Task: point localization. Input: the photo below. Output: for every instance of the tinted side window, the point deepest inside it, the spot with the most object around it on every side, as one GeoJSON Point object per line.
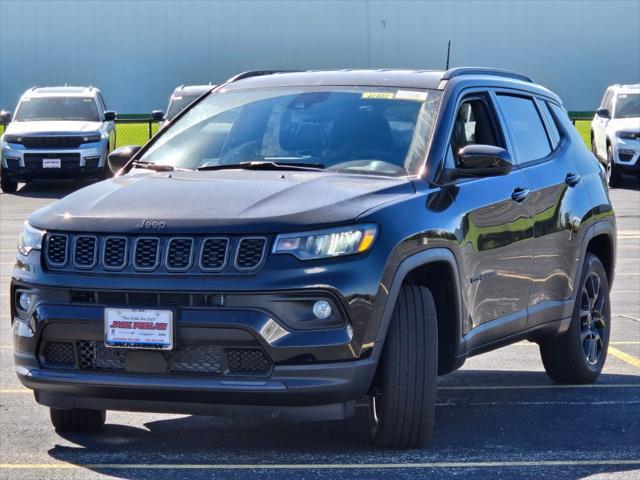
{"type": "Point", "coordinates": [551, 124]}
{"type": "Point", "coordinates": [525, 126]}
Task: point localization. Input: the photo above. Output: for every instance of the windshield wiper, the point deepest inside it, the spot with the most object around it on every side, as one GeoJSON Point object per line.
{"type": "Point", "coordinates": [263, 165]}
{"type": "Point", "coordinates": [159, 167]}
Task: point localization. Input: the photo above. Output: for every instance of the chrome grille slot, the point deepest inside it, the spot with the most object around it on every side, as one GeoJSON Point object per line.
{"type": "Point", "coordinates": [57, 249]}
{"type": "Point", "coordinates": [146, 253]}
{"type": "Point", "coordinates": [85, 251]}
{"type": "Point", "coordinates": [250, 253]}
{"type": "Point", "coordinates": [179, 254]}
{"type": "Point", "coordinates": [114, 254]}
{"type": "Point", "coordinates": [214, 254]}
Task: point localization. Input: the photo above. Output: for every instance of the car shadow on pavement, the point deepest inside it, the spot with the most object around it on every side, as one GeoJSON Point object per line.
{"type": "Point", "coordinates": [482, 416]}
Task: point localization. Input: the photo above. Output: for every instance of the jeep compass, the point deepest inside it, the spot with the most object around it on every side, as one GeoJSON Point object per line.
{"type": "Point", "coordinates": [293, 243]}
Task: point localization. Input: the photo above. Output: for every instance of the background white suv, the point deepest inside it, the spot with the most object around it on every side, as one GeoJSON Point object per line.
{"type": "Point", "coordinates": [615, 131]}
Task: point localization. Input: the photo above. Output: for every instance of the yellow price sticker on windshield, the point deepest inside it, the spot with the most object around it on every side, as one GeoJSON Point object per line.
{"type": "Point", "coordinates": [384, 95]}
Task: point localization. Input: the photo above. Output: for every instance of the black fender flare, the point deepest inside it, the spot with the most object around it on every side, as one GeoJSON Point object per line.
{"type": "Point", "coordinates": [416, 260]}
{"type": "Point", "coordinates": [601, 227]}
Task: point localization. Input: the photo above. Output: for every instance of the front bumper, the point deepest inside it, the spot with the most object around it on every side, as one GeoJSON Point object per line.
{"type": "Point", "coordinates": [626, 154]}
{"type": "Point", "coordinates": [21, 164]}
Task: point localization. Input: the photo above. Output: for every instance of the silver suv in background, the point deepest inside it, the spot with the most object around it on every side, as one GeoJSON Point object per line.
{"type": "Point", "coordinates": [181, 98]}
{"type": "Point", "coordinates": [56, 133]}
{"type": "Point", "coordinates": [615, 132]}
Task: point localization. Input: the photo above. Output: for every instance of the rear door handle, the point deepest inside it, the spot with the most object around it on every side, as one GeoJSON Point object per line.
{"type": "Point", "coordinates": [571, 179]}
{"type": "Point", "coordinates": [519, 194]}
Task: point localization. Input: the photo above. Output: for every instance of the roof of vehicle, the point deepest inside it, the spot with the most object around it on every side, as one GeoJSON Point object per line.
{"type": "Point", "coordinates": [192, 90]}
{"type": "Point", "coordinates": [403, 78]}
{"type": "Point", "coordinates": [66, 91]}
{"type": "Point", "coordinates": [631, 88]}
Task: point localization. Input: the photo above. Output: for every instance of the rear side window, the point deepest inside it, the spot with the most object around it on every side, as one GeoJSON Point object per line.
{"type": "Point", "coordinates": [551, 124]}
{"type": "Point", "coordinates": [527, 132]}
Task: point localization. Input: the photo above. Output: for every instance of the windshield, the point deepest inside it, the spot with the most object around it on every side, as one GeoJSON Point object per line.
{"type": "Point", "coordinates": [380, 131]}
{"type": "Point", "coordinates": [57, 108]}
{"type": "Point", "coordinates": [179, 103]}
{"type": "Point", "coordinates": [627, 105]}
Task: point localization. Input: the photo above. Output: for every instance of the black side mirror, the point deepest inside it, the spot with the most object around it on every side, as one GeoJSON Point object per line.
{"type": "Point", "coordinates": [110, 116]}
{"type": "Point", "coordinates": [121, 156]}
{"type": "Point", "coordinates": [603, 112]}
{"type": "Point", "coordinates": [5, 117]}
{"type": "Point", "coordinates": [157, 115]}
{"type": "Point", "coordinates": [483, 161]}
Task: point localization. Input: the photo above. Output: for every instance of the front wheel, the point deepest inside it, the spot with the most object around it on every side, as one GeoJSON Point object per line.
{"type": "Point", "coordinates": [578, 355]}
{"type": "Point", "coordinates": [6, 185]}
{"type": "Point", "coordinates": [77, 420]}
{"type": "Point", "coordinates": [404, 393]}
{"type": "Point", "coordinates": [615, 180]}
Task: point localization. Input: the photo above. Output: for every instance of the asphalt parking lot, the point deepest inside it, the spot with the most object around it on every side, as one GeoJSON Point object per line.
{"type": "Point", "coordinates": [498, 417]}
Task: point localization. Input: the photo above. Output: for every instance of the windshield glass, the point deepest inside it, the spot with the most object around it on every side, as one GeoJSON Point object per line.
{"type": "Point", "coordinates": [179, 103]}
{"type": "Point", "coordinates": [380, 131]}
{"type": "Point", "coordinates": [57, 108]}
{"type": "Point", "coordinates": [627, 105]}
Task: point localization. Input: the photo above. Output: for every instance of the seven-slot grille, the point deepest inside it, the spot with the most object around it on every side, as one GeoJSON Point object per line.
{"type": "Point", "coordinates": [155, 254]}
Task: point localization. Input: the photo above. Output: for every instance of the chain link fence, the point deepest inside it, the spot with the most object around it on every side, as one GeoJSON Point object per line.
{"type": "Point", "coordinates": [137, 130]}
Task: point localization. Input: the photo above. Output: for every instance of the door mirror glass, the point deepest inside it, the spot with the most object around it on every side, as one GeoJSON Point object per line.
{"type": "Point", "coordinates": [483, 161]}
{"type": "Point", "coordinates": [121, 156]}
{"type": "Point", "coordinates": [5, 116]}
{"type": "Point", "coordinates": [109, 116]}
{"type": "Point", "coordinates": [603, 113]}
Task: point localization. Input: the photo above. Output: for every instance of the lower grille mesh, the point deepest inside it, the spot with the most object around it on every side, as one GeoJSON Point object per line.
{"type": "Point", "coordinates": [190, 359]}
{"type": "Point", "coordinates": [60, 354]}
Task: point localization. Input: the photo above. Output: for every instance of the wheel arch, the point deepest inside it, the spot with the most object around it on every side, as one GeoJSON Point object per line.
{"type": "Point", "coordinates": [437, 270]}
{"type": "Point", "coordinates": [599, 239]}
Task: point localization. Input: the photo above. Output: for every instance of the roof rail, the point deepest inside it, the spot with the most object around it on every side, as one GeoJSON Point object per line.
{"type": "Point", "coordinates": [258, 73]}
{"type": "Point", "coordinates": [459, 71]}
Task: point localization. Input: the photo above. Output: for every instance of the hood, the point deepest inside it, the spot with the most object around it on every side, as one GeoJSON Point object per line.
{"type": "Point", "coordinates": [227, 201]}
{"type": "Point", "coordinates": [57, 127]}
{"type": "Point", "coordinates": [624, 124]}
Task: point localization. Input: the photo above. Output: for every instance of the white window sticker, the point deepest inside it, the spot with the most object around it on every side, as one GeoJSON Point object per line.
{"type": "Point", "coordinates": [411, 95]}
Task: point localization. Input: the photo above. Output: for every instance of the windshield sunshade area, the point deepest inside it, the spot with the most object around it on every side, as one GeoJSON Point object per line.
{"type": "Point", "coordinates": [627, 105]}
{"type": "Point", "coordinates": [57, 108]}
{"type": "Point", "coordinates": [379, 131]}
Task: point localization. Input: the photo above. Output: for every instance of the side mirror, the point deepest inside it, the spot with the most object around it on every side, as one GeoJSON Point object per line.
{"type": "Point", "coordinates": [110, 116]}
{"type": "Point", "coordinates": [603, 112]}
{"type": "Point", "coordinates": [121, 156]}
{"type": "Point", "coordinates": [483, 161]}
{"type": "Point", "coordinates": [5, 117]}
{"type": "Point", "coordinates": [157, 115]}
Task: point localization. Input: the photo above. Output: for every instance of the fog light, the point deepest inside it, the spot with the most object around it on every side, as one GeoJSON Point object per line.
{"type": "Point", "coordinates": [24, 301]}
{"type": "Point", "coordinates": [322, 309]}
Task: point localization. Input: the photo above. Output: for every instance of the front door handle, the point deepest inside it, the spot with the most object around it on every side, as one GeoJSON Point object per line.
{"type": "Point", "coordinates": [571, 179]}
{"type": "Point", "coordinates": [520, 194]}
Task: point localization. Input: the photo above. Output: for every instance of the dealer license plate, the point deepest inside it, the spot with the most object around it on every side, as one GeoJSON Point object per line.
{"type": "Point", "coordinates": [51, 163]}
{"type": "Point", "coordinates": [138, 328]}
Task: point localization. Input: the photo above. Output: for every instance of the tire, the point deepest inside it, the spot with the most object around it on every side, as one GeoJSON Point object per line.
{"type": "Point", "coordinates": [567, 358]}
{"type": "Point", "coordinates": [404, 393]}
{"type": "Point", "coordinates": [7, 186]}
{"type": "Point", "coordinates": [77, 420]}
{"type": "Point", "coordinates": [615, 180]}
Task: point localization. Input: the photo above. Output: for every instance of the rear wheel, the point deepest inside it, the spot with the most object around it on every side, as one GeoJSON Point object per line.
{"type": "Point", "coordinates": [615, 180]}
{"type": "Point", "coordinates": [7, 185]}
{"type": "Point", "coordinates": [404, 394]}
{"type": "Point", "coordinates": [578, 355]}
{"type": "Point", "coordinates": [77, 420]}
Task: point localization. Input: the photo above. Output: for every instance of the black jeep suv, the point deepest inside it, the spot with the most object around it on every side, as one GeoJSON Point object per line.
{"type": "Point", "coordinates": [295, 242]}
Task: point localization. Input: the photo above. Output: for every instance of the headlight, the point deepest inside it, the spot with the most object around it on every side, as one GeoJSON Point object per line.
{"type": "Point", "coordinates": [94, 137]}
{"type": "Point", "coordinates": [30, 239]}
{"type": "Point", "coordinates": [327, 243]}
{"type": "Point", "coordinates": [628, 135]}
{"type": "Point", "coordinates": [12, 139]}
